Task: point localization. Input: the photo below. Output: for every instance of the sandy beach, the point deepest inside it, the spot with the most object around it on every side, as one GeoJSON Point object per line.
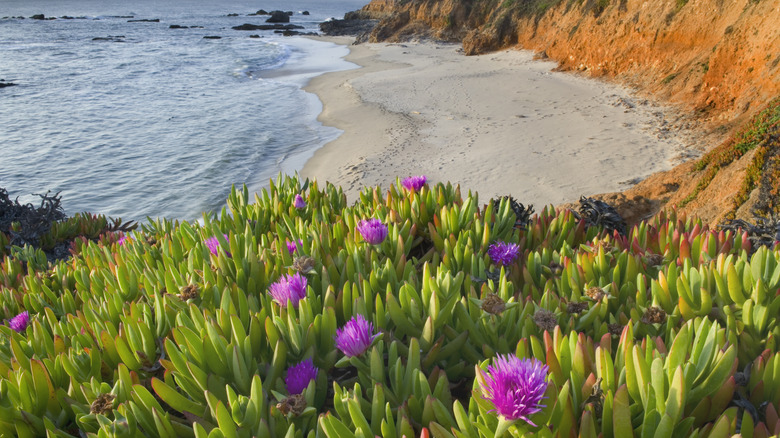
{"type": "Point", "coordinates": [498, 124]}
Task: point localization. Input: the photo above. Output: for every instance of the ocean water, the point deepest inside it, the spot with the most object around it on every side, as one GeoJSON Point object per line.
{"type": "Point", "coordinates": [134, 119]}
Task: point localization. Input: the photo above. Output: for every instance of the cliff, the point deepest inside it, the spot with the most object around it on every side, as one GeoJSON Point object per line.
{"type": "Point", "coordinates": [716, 60]}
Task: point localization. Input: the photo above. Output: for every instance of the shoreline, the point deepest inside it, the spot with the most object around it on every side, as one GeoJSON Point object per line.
{"type": "Point", "coordinates": [498, 124]}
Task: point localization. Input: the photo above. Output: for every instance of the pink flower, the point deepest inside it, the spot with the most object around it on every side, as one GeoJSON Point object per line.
{"type": "Point", "coordinates": [515, 386]}
{"type": "Point", "coordinates": [289, 287]}
{"type": "Point", "coordinates": [372, 230]}
{"type": "Point", "coordinates": [299, 202]}
{"type": "Point", "coordinates": [414, 182]}
{"type": "Point", "coordinates": [355, 337]}
{"type": "Point", "coordinates": [20, 322]}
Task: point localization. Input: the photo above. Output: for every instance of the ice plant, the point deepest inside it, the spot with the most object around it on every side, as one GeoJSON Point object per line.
{"type": "Point", "coordinates": [213, 244]}
{"type": "Point", "coordinates": [372, 230]}
{"type": "Point", "coordinates": [414, 182]}
{"type": "Point", "coordinates": [515, 387]}
{"type": "Point", "coordinates": [289, 287]}
{"type": "Point", "coordinates": [20, 322]}
{"type": "Point", "coordinates": [503, 253]}
{"type": "Point", "coordinates": [299, 376]}
{"type": "Point", "coordinates": [355, 337]}
{"type": "Point", "coordinates": [299, 202]}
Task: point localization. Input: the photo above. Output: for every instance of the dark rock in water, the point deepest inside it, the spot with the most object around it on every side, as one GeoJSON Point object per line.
{"type": "Point", "coordinates": [4, 84]}
{"type": "Point", "coordinates": [114, 38]}
{"type": "Point", "coordinates": [289, 13]}
{"type": "Point", "coordinates": [232, 15]}
{"type": "Point", "coordinates": [247, 26]}
{"type": "Point", "coordinates": [145, 20]}
{"type": "Point", "coordinates": [278, 17]}
{"type": "Point", "coordinates": [212, 37]}
{"type": "Point", "coordinates": [305, 13]}
{"type": "Point", "coordinates": [254, 36]}
{"type": "Point", "coordinates": [354, 27]}
{"type": "Point", "coordinates": [262, 12]}
{"type": "Point", "coordinates": [67, 17]}
{"type": "Point", "coordinates": [38, 17]}
{"type": "Point", "coordinates": [177, 26]}
{"type": "Point", "coordinates": [293, 32]}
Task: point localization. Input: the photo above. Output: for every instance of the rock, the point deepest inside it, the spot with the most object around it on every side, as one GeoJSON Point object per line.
{"type": "Point", "coordinates": [145, 20]}
{"type": "Point", "coordinates": [176, 26]}
{"type": "Point", "coordinates": [262, 12]}
{"type": "Point", "coordinates": [4, 84]}
{"type": "Point", "coordinates": [247, 26]}
{"type": "Point", "coordinates": [212, 37]}
{"type": "Point", "coordinates": [289, 13]}
{"type": "Point", "coordinates": [38, 17]}
{"type": "Point", "coordinates": [232, 15]}
{"type": "Point", "coordinates": [254, 36]}
{"type": "Point", "coordinates": [305, 13]}
{"type": "Point", "coordinates": [353, 27]}
{"type": "Point", "coordinates": [278, 17]}
{"type": "Point", "coordinates": [114, 38]}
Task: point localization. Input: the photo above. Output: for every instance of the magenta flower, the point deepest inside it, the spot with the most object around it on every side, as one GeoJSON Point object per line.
{"type": "Point", "coordinates": [299, 376]}
{"type": "Point", "coordinates": [515, 386]}
{"type": "Point", "coordinates": [355, 337]}
{"type": "Point", "coordinates": [213, 244]}
{"type": "Point", "coordinates": [289, 287]}
{"type": "Point", "coordinates": [503, 253]}
{"type": "Point", "coordinates": [124, 239]}
{"type": "Point", "coordinates": [292, 246]}
{"type": "Point", "coordinates": [414, 182]}
{"type": "Point", "coordinates": [372, 230]}
{"type": "Point", "coordinates": [20, 322]}
{"type": "Point", "coordinates": [299, 202]}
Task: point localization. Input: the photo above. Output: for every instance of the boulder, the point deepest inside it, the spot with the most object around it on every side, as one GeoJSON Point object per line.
{"type": "Point", "coordinates": [262, 12]}
{"type": "Point", "coordinates": [177, 26]}
{"type": "Point", "coordinates": [145, 20]}
{"type": "Point", "coordinates": [278, 17]}
{"type": "Point", "coordinates": [212, 37]}
{"type": "Point", "coordinates": [305, 13]}
{"type": "Point", "coordinates": [4, 84]}
{"type": "Point", "coordinates": [38, 17]}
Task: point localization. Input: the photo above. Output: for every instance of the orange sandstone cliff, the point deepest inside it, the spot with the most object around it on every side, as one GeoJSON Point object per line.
{"type": "Point", "coordinates": [716, 60]}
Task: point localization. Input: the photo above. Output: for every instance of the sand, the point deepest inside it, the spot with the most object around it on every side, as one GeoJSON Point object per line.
{"type": "Point", "coordinates": [498, 124]}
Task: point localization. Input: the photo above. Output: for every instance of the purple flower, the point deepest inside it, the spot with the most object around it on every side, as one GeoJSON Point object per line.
{"type": "Point", "coordinates": [299, 376]}
{"type": "Point", "coordinates": [299, 202]}
{"type": "Point", "coordinates": [20, 322]}
{"type": "Point", "coordinates": [124, 239]}
{"type": "Point", "coordinates": [503, 253]}
{"type": "Point", "coordinates": [292, 246]}
{"type": "Point", "coordinates": [355, 337]}
{"type": "Point", "coordinates": [414, 182]}
{"type": "Point", "coordinates": [372, 230]}
{"type": "Point", "coordinates": [289, 287]}
{"type": "Point", "coordinates": [515, 386]}
{"type": "Point", "coordinates": [213, 244]}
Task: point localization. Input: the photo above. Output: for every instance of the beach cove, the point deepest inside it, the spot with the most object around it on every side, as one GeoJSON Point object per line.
{"type": "Point", "coordinates": [499, 124]}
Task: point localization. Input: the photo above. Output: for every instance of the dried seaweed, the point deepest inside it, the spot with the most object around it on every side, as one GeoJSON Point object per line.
{"type": "Point", "coordinates": [25, 223]}
{"type": "Point", "coordinates": [600, 214]}
{"type": "Point", "coordinates": [765, 232]}
{"type": "Point", "coordinates": [522, 213]}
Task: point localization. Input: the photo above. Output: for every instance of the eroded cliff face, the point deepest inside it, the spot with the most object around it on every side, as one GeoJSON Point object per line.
{"type": "Point", "coordinates": [717, 60]}
{"type": "Point", "coordinates": [718, 57]}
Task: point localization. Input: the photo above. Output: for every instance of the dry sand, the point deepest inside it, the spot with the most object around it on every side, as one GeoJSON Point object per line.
{"type": "Point", "coordinates": [498, 124]}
